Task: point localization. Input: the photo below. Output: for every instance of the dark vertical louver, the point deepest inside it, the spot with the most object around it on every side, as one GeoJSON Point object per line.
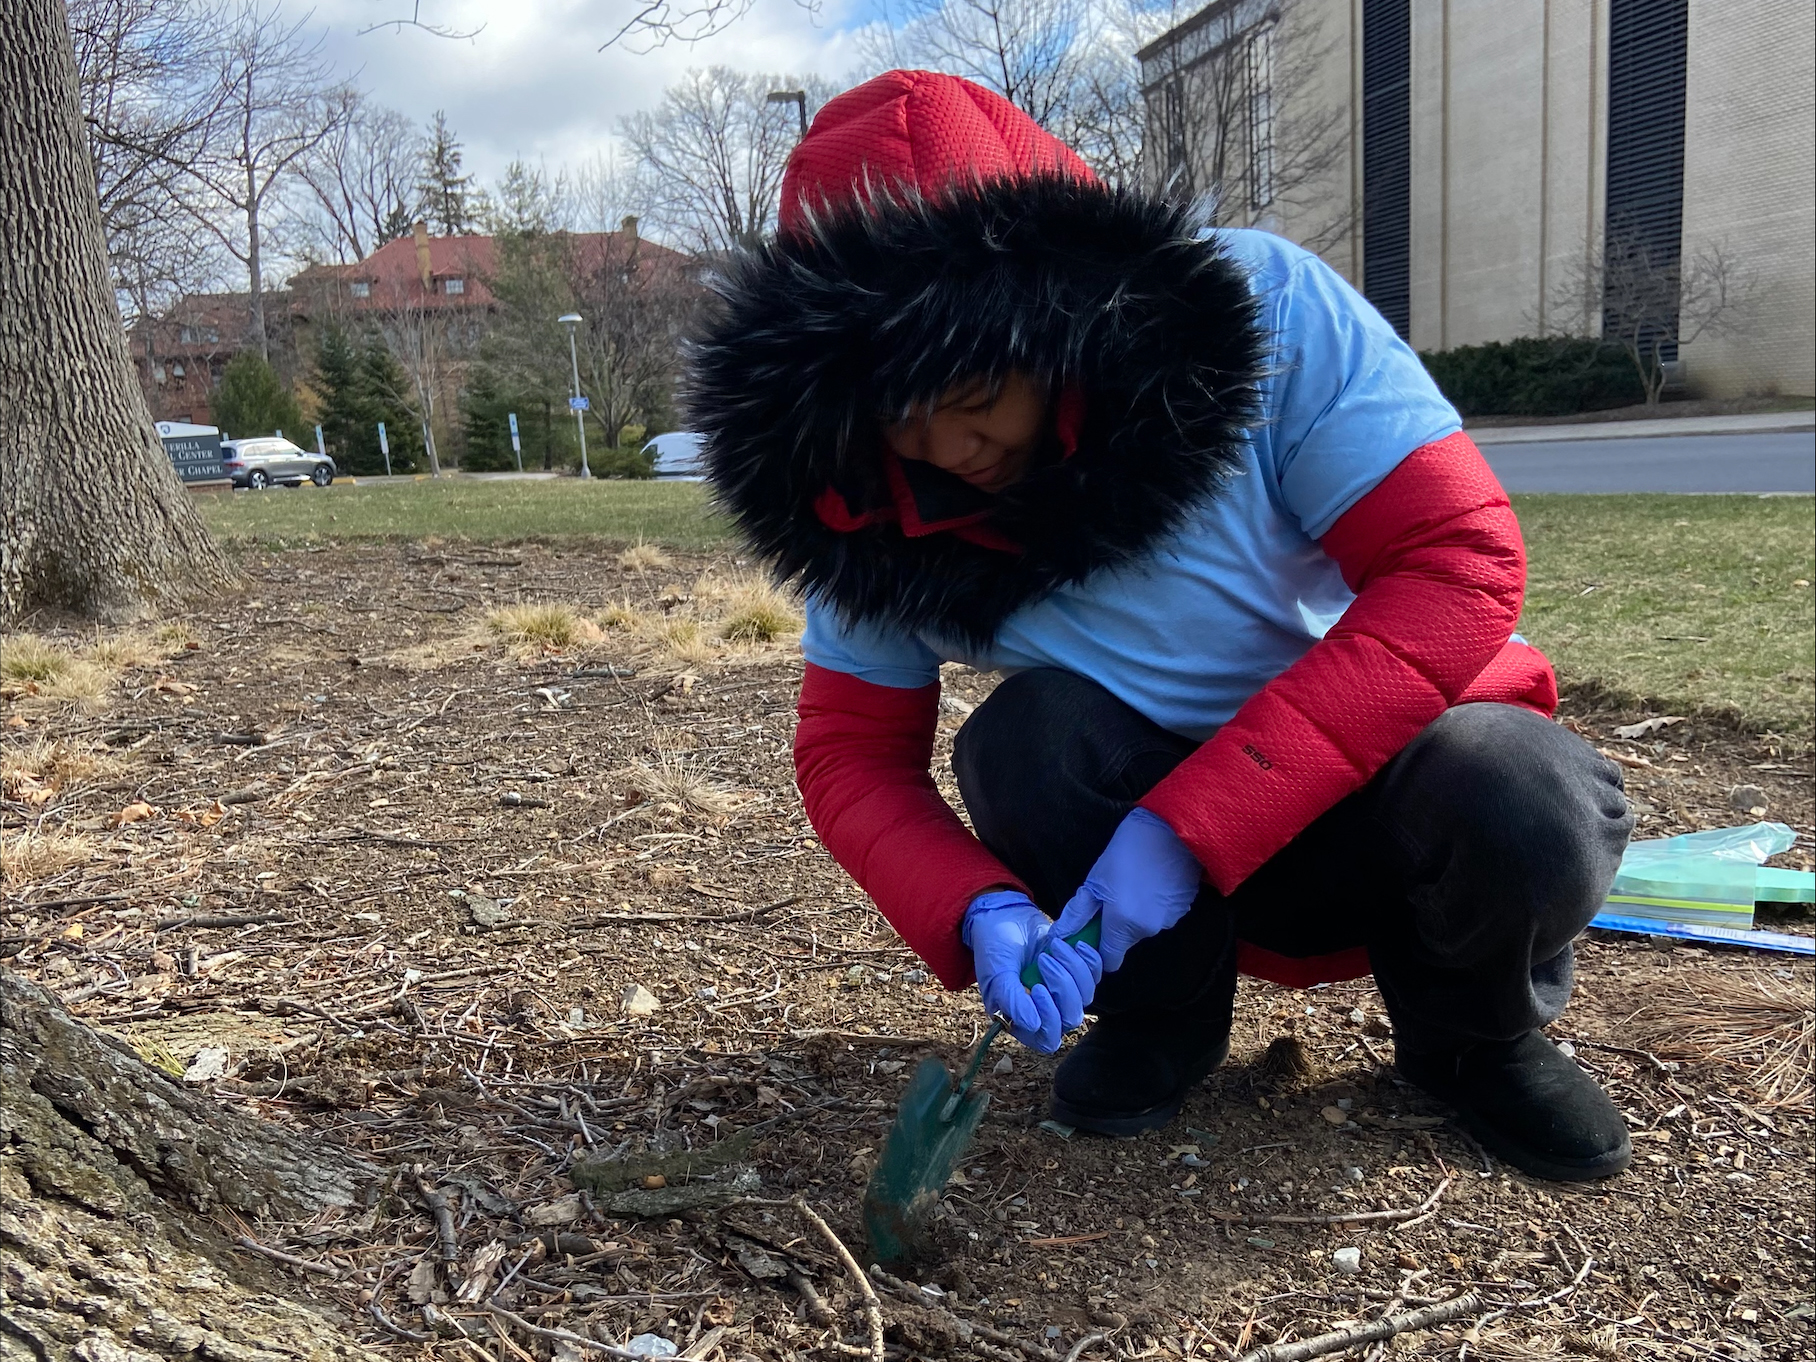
{"type": "Point", "coordinates": [1648, 43]}
{"type": "Point", "coordinates": [1387, 159]}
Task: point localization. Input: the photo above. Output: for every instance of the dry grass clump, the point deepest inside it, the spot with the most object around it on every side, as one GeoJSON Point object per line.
{"type": "Point", "coordinates": [26, 658]}
{"type": "Point", "coordinates": [685, 642]}
{"type": "Point", "coordinates": [33, 855]}
{"type": "Point", "coordinates": [35, 773]}
{"type": "Point", "coordinates": [41, 668]}
{"type": "Point", "coordinates": [1759, 1025]}
{"type": "Point", "coordinates": [542, 627]}
{"type": "Point", "coordinates": [1286, 1061]}
{"type": "Point", "coordinates": [756, 612]}
{"type": "Point", "coordinates": [686, 787]}
{"type": "Point", "coordinates": [621, 615]}
{"type": "Point", "coordinates": [641, 557]}
{"type": "Point", "coordinates": [435, 653]}
{"type": "Point", "coordinates": [138, 648]}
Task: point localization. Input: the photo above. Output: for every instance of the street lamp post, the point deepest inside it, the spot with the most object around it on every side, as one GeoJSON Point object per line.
{"type": "Point", "coordinates": [578, 402]}
{"type": "Point", "coordinates": [798, 98]}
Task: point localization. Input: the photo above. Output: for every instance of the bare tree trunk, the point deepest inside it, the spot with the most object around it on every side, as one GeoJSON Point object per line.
{"type": "Point", "coordinates": [92, 515]}
{"type": "Point", "coordinates": [107, 1169]}
{"type": "Point", "coordinates": [255, 274]}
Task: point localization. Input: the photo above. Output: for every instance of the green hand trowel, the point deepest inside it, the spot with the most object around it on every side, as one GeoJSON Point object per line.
{"type": "Point", "coordinates": [932, 1130]}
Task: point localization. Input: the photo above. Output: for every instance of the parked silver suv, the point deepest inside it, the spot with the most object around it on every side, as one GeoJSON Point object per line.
{"type": "Point", "coordinates": [257, 463]}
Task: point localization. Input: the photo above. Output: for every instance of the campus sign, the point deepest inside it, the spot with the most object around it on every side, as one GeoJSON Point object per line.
{"type": "Point", "coordinates": [195, 450]}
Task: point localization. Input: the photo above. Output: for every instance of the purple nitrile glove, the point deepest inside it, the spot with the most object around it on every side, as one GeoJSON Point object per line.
{"type": "Point", "coordinates": [1143, 883]}
{"type": "Point", "coordinates": [1004, 930]}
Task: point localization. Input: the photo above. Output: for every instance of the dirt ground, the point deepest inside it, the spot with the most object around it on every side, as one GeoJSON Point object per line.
{"type": "Point", "coordinates": [341, 850]}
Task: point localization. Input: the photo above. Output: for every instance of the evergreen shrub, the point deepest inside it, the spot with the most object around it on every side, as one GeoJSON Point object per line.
{"type": "Point", "coordinates": [1535, 376]}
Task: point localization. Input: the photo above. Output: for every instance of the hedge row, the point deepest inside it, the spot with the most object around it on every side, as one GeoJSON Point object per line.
{"type": "Point", "coordinates": [1535, 376]}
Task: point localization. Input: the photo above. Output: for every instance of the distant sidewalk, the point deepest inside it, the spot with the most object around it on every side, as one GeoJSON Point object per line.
{"type": "Point", "coordinates": [1755, 423]}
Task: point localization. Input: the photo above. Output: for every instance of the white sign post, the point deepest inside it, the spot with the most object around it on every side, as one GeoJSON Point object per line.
{"type": "Point", "coordinates": [384, 447]}
{"type": "Point", "coordinates": [516, 444]}
{"type": "Point", "coordinates": [320, 448]}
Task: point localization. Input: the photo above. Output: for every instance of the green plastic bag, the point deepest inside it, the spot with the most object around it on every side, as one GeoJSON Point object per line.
{"type": "Point", "coordinates": [1711, 877]}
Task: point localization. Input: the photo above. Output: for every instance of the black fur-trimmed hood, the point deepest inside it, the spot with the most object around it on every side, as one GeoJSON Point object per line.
{"type": "Point", "coordinates": [1114, 300]}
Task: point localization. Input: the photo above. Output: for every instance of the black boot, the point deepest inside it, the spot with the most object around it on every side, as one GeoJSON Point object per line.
{"type": "Point", "coordinates": [1527, 1102]}
{"type": "Point", "coordinates": [1132, 1071]}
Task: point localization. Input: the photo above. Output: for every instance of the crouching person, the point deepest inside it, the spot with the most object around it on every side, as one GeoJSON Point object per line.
{"type": "Point", "coordinates": [1253, 590]}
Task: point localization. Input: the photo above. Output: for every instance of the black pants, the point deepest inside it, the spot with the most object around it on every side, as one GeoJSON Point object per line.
{"type": "Point", "coordinates": [1466, 866]}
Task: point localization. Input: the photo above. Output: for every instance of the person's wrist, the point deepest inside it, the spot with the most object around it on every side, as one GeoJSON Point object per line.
{"type": "Point", "coordinates": [1148, 818]}
{"type": "Point", "coordinates": [991, 900]}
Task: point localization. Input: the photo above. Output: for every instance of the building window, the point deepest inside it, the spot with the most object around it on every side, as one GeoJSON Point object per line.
{"type": "Point", "coordinates": [199, 335]}
{"type": "Point", "coordinates": [1643, 241]}
{"type": "Point", "coordinates": [1178, 167]}
{"type": "Point", "coordinates": [1259, 75]}
{"type": "Point", "coordinates": [359, 288]}
{"type": "Point", "coordinates": [1387, 160]}
{"type": "Point", "coordinates": [454, 286]}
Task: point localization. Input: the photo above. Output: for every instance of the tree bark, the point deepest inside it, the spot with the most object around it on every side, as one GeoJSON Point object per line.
{"type": "Point", "coordinates": [255, 273]}
{"type": "Point", "coordinates": [106, 1170]}
{"type": "Point", "coordinates": [93, 517]}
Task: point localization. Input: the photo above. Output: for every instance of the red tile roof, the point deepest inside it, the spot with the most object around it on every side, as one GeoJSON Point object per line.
{"type": "Point", "coordinates": [393, 272]}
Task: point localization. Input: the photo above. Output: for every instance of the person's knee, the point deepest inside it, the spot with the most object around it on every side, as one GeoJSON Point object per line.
{"type": "Point", "coordinates": [1028, 722]}
{"type": "Point", "coordinates": [1001, 729]}
{"type": "Point", "coordinates": [1526, 801]}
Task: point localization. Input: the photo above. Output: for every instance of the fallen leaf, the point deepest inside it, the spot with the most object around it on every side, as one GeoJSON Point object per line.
{"type": "Point", "coordinates": [1647, 726]}
{"type": "Point", "coordinates": [1335, 1115]}
{"type": "Point", "coordinates": [1623, 758]}
{"type": "Point", "coordinates": [201, 818]}
{"type": "Point", "coordinates": [135, 812]}
{"type": "Point", "coordinates": [421, 1285]}
{"type": "Point", "coordinates": [479, 1275]}
{"type": "Point", "coordinates": [209, 1063]}
{"type": "Point", "coordinates": [563, 1210]}
{"type": "Point", "coordinates": [171, 686]}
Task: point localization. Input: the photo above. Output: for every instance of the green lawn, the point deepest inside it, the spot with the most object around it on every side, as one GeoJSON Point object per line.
{"type": "Point", "coordinates": [1690, 603]}
{"type": "Point", "coordinates": [484, 511]}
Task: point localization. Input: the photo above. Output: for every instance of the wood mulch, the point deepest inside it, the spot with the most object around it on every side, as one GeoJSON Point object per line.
{"type": "Point", "coordinates": [397, 885]}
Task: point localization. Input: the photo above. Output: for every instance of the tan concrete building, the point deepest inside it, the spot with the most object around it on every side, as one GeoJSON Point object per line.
{"type": "Point", "coordinates": [1470, 164]}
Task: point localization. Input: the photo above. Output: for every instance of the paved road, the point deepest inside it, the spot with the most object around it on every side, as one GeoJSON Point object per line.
{"type": "Point", "coordinates": [1782, 462]}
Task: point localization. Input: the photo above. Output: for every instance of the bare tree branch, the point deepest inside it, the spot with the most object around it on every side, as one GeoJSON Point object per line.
{"type": "Point", "coordinates": [151, 103]}
{"type": "Point", "coordinates": [280, 103]}
{"type": "Point", "coordinates": [1649, 301]}
{"type": "Point", "coordinates": [1235, 116]}
{"type": "Point", "coordinates": [360, 183]}
{"type": "Point", "coordinates": [416, 21]}
{"type": "Point", "coordinates": [710, 156]}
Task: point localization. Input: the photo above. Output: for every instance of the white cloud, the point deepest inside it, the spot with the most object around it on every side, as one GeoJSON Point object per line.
{"type": "Point", "coordinates": [533, 82]}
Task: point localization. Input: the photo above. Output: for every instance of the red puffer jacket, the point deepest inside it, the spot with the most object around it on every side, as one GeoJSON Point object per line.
{"type": "Point", "coordinates": [1435, 558]}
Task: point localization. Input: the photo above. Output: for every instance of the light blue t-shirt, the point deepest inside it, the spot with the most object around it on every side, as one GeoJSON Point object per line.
{"type": "Point", "coordinates": [1242, 591]}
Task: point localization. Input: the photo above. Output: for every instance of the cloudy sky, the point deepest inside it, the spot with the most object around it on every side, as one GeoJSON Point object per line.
{"type": "Point", "coordinates": [533, 82]}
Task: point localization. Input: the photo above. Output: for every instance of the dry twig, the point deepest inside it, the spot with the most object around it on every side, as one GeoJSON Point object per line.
{"type": "Point", "coordinates": [873, 1307]}
{"type": "Point", "coordinates": [288, 1259]}
{"type": "Point", "coordinates": [1338, 1340]}
{"type": "Point", "coordinates": [1347, 1218]}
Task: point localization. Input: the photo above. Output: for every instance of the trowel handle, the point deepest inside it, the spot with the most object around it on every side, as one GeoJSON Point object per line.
{"type": "Point", "coordinates": [1089, 934]}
